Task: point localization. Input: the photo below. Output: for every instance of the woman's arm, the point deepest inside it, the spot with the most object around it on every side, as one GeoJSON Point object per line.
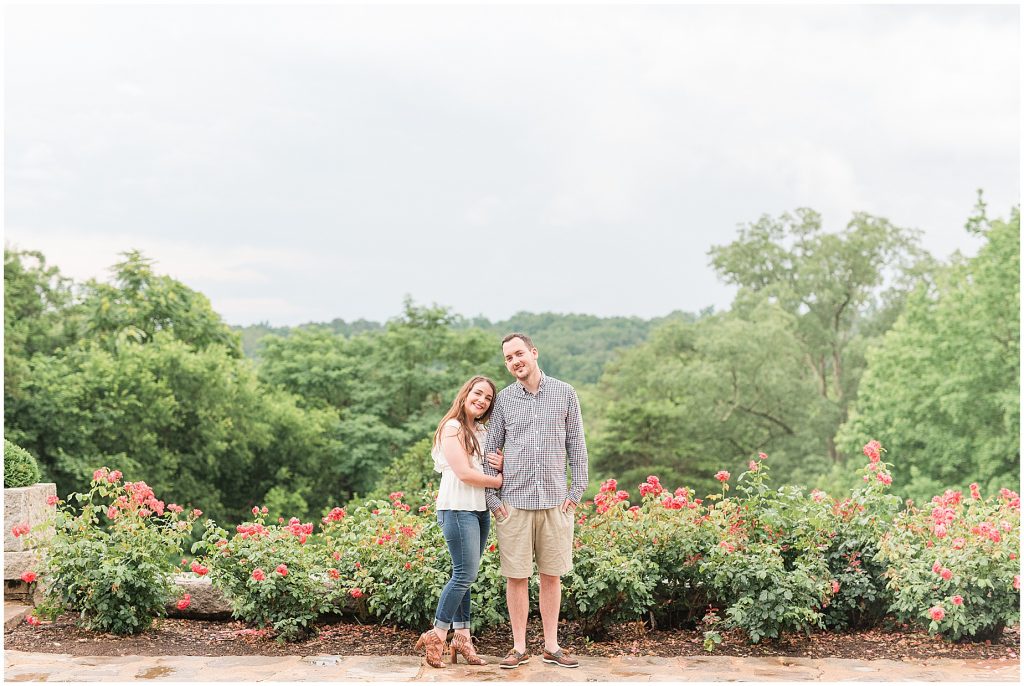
{"type": "Point", "coordinates": [458, 460]}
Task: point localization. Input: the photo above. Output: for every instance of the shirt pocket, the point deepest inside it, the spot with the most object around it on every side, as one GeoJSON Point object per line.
{"type": "Point", "coordinates": [516, 433]}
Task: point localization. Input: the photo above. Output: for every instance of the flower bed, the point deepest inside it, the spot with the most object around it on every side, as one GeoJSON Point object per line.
{"type": "Point", "coordinates": [763, 561]}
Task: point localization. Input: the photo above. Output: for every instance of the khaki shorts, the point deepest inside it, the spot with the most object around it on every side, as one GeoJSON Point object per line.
{"type": "Point", "coordinates": [526, 534]}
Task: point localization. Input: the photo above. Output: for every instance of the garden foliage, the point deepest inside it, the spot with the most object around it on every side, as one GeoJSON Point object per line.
{"type": "Point", "coordinates": [20, 468]}
{"type": "Point", "coordinates": [763, 560]}
{"type": "Point", "coordinates": [269, 574]}
{"type": "Point", "coordinates": [110, 557]}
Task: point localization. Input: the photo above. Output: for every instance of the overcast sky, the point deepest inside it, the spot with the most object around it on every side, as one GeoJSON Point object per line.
{"type": "Point", "coordinates": [304, 163]}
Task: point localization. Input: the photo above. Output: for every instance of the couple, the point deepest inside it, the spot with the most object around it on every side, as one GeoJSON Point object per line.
{"type": "Point", "coordinates": [535, 425]}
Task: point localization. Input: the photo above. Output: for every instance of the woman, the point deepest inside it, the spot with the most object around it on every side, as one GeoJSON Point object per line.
{"type": "Point", "coordinates": [462, 514]}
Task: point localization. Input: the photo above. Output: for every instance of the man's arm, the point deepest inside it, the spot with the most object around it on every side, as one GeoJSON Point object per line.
{"type": "Point", "coordinates": [494, 441]}
{"type": "Point", "coordinates": [576, 449]}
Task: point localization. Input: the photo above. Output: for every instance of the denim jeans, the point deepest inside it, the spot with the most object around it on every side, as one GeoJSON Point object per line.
{"type": "Point", "coordinates": [466, 534]}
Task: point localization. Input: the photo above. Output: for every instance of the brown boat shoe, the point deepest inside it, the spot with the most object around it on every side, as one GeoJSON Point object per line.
{"type": "Point", "coordinates": [514, 659]}
{"type": "Point", "coordinates": [560, 658]}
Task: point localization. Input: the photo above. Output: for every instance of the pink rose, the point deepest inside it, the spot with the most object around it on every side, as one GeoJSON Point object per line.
{"type": "Point", "coordinates": [946, 574]}
{"type": "Point", "coordinates": [258, 574]}
{"type": "Point", "coordinates": [28, 577]}
{"type": "Point", "coordinates": [937, 613]}
{"type": "Point", "coordinates": [282, 570]}
{"type": "Point", "coordinates": [356, 593]}
{"type": "Point", "coordinates": [185, 601]}
{"type": "Point", "coordinates": [958, 600]}
{"type": "Point", "coordinates": [722, 476]}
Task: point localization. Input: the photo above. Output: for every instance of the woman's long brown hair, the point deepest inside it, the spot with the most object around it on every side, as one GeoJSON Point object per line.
{"type": "Point", "coordinates": [467, 436]}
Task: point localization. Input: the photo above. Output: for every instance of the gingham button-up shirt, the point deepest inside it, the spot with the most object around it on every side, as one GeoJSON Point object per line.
{"type": "Point", "coordinates": [538, 434]}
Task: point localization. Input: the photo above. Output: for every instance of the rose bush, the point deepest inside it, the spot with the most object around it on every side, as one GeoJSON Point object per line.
{"type": "Point", "coordinates": [954, 564]}
{"type": "Point", "coordinates": [111, 560]}
{"type": "Point", "coordinates": [764, 560]}
{"type": "Point", "coordinates": [768, 569]}
{"type": "Point", "coordinates": [272, 575]}
{"type": "Point", "coordinates": [395, 556]}
{"type": "Point", "coordinates": [861, 597]}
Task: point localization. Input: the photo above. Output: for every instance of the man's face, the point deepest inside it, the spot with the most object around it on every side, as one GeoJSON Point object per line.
{"type": "Point", "coordinates": [520, 360]}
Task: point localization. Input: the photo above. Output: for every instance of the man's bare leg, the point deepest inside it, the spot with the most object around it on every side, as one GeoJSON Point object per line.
{"type": "Point", "coordinates": [550, 603]}
{"type": "Point", "coordinates": [517, 594]}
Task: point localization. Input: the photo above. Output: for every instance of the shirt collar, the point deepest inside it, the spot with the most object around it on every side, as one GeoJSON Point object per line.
{"type": "Point", "coordinates": [540, 386]}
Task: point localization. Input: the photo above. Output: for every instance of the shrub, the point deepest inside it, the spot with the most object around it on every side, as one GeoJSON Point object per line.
{"type": "Point", "coordinates": [858, 523]}
{"type": "Point", "coordinates": [768, 568]}
{"type": "Point", "coordinates": [954, 565]}
{"type": "Point", "coordinates": [394, 558]}
{"type": "Point", "coordinates": [20, 468]}
{"type": "Point", "coordinates": [112, 562]}
{"type": "Point", "coordinates": [635, 562]}
{"type": "Point", "coordinates": [270, 575]}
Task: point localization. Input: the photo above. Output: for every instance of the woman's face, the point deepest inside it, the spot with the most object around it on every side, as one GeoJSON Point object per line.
{"type": "Point", "coordinates": [479, 399]}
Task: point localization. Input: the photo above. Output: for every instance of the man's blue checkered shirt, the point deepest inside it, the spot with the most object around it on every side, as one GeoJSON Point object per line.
{"type": "Point", "coordinates": [539, 434]}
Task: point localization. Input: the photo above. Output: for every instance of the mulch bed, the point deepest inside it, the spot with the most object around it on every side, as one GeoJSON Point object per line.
{"type": "Point", "coordinates": [172, 636]}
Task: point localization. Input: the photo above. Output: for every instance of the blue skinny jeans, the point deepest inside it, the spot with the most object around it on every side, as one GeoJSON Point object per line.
{"type": "Point", "coordinates": [465, 531]}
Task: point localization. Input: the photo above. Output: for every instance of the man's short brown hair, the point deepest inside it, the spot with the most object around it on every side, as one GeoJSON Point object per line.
{"type": "Point", "coordinates": [522, 336]}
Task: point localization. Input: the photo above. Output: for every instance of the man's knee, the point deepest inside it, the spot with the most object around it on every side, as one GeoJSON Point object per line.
{"type": "Point", "coordinates": [546, 579]}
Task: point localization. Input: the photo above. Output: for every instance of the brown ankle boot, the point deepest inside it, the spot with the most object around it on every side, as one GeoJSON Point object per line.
{"type": "Point", "coordinates": [462, 645]}
{"type": "Point", "coordinates": [434, 647]}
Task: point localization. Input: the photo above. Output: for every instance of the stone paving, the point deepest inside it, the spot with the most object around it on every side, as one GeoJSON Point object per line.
{"type": "Point", "coordinates": [21, 666]}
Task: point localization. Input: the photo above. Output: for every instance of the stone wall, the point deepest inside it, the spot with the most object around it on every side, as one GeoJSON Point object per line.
{"type": "Point", "coordinates": [25, 505]}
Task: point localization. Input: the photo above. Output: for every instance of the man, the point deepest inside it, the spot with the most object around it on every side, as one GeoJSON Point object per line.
{"type": "Point", "coordinates": [537, 423]}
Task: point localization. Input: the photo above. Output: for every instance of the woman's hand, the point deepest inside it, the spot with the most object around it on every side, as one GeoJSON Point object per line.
{"type": "Point", "coordinates": [500, 479]}
{"type": "Point", "coordinates": [496, 460]}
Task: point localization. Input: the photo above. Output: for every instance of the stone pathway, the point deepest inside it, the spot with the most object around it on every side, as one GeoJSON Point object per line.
{"type": "Point", "coordinates": [21, 666]}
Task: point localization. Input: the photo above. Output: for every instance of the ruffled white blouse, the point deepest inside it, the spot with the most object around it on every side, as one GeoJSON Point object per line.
{"type": "Point", "coordinates": [453, 493]}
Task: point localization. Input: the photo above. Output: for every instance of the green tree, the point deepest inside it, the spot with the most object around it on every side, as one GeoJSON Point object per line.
{"type": "Point", "coordinates": [942, 389]}
{"type": "Point", "coordinates": [706, 396]}
{"type": "Point", "coordinates": [195, 425]}
{"type": "Point", "coordinates": [38, 314]}
{"type": "Point", "coordinates": [141, 303]}
{"type": "Point", "coordinates": [389, 388]}
{"type": "Point", "coordinates": [833, 283]}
